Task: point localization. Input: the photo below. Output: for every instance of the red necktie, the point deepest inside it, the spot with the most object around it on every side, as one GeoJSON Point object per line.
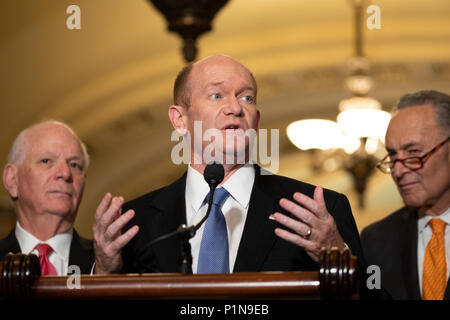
{"type": "Point", "coordinates": [47, 268]}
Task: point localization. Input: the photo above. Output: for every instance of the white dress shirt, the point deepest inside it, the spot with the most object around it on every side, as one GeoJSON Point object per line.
{"type": "Point", "coordinates": [60, 244]}
{"type": "Point", "coordinates": [235, 208]}
{"type": "Point", "coordinates": [424, 236]}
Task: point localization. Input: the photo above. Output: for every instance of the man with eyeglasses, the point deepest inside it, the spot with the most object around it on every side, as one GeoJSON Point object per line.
{"type": "Point", "coordinates": [412, 245]}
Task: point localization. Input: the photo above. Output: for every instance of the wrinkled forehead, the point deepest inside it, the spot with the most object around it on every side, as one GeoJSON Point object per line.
{"type": "Point", "coordinates": [52, 138]}
{"type": "Point", "coordinates": [413, 124]}
{"type": "Point", "coordinates": [218, 69]}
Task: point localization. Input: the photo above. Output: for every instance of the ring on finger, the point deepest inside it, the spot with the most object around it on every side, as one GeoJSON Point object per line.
{"type": "Point", "coordinates": [308, 234]}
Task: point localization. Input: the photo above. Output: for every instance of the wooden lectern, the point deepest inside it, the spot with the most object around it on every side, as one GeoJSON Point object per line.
{"type": "Point", "coordinates": [336, 279]}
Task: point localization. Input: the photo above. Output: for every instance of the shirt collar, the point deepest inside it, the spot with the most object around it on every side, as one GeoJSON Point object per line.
{"type": "Point", "coordinates": [239, 185]}
{"type": "Point", "coordinates": [423, 221]}
{"type": "Point", "coordinates": [196, 188]}
{"type": "Point", "coordinates": [60, 242]}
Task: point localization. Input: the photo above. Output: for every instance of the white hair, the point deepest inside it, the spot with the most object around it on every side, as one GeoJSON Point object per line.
{"type": "Point", "coordinates": [19, 147]}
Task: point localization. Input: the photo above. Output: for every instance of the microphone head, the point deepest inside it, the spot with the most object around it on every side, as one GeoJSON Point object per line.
{"type": "Point", "coordinates": [214, 174]}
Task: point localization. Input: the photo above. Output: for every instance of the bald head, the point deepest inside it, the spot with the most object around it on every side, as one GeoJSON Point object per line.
{"type": "Point", "coordinates": [45, 177]}
{"type": "Point", "coordinates": [22, 142]}
{"type": "Point", "coordinates": [182, 88]}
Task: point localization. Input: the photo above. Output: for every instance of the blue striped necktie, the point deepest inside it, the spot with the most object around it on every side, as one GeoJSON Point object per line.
{"type": "Point", "coordinates": [213, 256]}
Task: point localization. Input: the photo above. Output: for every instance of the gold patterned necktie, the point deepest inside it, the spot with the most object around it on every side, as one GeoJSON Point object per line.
{"type": "Point", "coordinates": [434, 278]}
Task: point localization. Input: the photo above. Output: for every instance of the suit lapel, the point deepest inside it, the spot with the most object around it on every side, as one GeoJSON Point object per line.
{"type": "Point", "coordinates": [171, 208]}
{"type": "Point", "coordinates": [257, 239]}
{"type": "Point", "coordinates": [447, 291]}
{"type": "Point", "coordinates": [409, 258]}
{"type": "Point", "coordinates": [81, 253]}
{"type": "Point", "coordinates": [9, 244]}
{"type": "Point", "coordinates": [409, 261]}
{"type": "Point", "coordinates": [258, 236]}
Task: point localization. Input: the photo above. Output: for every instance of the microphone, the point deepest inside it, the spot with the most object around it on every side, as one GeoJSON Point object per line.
{"type": "Point", "coordinates": [213, 175]}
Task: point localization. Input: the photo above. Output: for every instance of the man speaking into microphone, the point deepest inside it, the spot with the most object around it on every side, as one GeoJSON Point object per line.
{"type": "Point", "coordinates": [257, 222]}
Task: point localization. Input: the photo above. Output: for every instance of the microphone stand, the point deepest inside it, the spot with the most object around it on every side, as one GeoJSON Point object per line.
{"type": "Point", "coordinates": [213, 174]}
{"type": "Point", "coordinates": [185, 233]}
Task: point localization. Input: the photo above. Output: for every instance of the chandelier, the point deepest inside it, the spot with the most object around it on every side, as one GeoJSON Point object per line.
{"type": "Point", "coordinates": [354, 139]}
{"type": "Point", "coordinates": [190, 19]}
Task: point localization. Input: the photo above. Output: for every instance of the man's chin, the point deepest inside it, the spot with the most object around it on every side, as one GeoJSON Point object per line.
{"type": "Point", "coordinates": [234, 156]}
{"type": "Point", "coordinates": [412, 202]}
{"type": "Point", "coordinates": [61, 209]}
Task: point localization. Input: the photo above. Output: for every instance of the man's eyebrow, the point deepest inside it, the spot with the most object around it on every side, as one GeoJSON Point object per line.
{"type": "Point", "coordinates": [214, 84]}
{"type": "Point", "coordinates": [391, 152]}
{"type": "Point", "coordinates": [80, 157]}
{"type": "Point", "coordinates": [45, 153]}
{"type": "Point", "coordinates": [49, 153]}
{"type": "Point", "coordinates": [219, 83]}
{"type": "Point", "coordinates": [405, 146]}
{"type": "Point", "coordinates": [248, 88]}
{"type": "Point", "coordinates": [409, 145]}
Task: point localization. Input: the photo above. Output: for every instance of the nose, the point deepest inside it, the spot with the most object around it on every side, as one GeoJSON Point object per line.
{"type": "Point", "coordinates": [234, 107]}
{"type": "Point", "coordinates": [399, 169]}
{"type": "Point", "coordinates": [63, 171]}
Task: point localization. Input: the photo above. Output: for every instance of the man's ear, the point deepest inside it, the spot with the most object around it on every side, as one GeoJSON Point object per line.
{"type": "Point", "coordinates": [177, 116]}
{"type": "Point", "coordinates": [10, 180]}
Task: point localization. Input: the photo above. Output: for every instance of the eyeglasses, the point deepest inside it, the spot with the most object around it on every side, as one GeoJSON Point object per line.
{"type": "Point", "coordinates": [413, 163]}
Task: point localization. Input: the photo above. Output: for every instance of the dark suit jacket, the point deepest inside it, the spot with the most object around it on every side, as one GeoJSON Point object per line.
{"type": "Point", "coordinates": [81, 250]}
{"type": "Point", "coordinates": [163, 211]}
{"type": "Point", "coordinates": [391, 243]}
